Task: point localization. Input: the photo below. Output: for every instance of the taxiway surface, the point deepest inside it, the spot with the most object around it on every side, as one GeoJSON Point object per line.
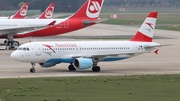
{"type": "Point", "coordinates": [166, 62]}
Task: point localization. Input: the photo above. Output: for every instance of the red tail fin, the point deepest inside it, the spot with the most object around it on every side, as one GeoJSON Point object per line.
{"type": "Point", "coordinates": [90, 10]}
{"type": "Point", "coordinates": [47, 14]}
{"type": "Point", "coordinates": [146, 31]}
{"type": "Point", "coordinates": [21, 12]}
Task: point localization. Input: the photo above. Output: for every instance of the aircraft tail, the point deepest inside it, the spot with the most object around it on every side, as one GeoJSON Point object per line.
{"type": "Point", "coordinates": [21, 13]}
{"type": "Point", "coordinates": [90, 10]}
{"type": "Point", "coordinates": [47, 14]}
{"type": "Point", "coordinates": [146, 31]}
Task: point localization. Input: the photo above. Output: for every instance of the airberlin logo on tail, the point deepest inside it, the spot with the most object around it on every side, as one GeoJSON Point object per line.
{"type": "Point", "coordinates": [94, 8]}
{"type": "Point", "coordinates": [23, 11]}
{"type": "Point", "coordinates": [48, 13]}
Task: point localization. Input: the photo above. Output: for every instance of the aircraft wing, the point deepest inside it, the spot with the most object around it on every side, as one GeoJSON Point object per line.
{"type": "Point", "coordinates": [22, 29]}
{"type": "Point", "coordinates": [101, 55]}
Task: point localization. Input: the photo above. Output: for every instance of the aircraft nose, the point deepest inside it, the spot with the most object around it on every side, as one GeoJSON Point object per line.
{"type": "Point", "coordinates": [14, 55]}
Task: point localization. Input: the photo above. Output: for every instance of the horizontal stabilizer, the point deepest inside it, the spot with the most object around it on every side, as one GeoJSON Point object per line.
{"type": "Point", "coordinates": [89, 22]}
{"type": "Point", "coordinates": [153, 46]}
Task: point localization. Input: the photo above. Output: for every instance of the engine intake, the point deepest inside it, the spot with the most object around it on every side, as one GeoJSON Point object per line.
{"type": "Point", "coordinates": [83, 63]}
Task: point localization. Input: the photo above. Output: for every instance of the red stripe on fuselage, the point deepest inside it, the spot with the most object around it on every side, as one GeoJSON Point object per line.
{"type": "Point", "coordinates": [141, 37]}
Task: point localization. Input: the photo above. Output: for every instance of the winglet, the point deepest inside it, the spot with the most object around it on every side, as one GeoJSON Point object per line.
{"type": "Point", "coordinates": [47, 14]}
{"type": "Point", "coordinates": [90, 10]}
{"type": "Point", "coordinates": [21, 13]}
{"type": "Point", "coordinates": [146, 31]}
{"type": "Point", "coordinates": [52, 23]}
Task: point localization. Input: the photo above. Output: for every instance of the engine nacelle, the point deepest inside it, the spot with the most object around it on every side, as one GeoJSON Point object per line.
{"type": "Point", "coordinates": [83, 63]}
{"type": "Point", "coordinates": [47, 64]}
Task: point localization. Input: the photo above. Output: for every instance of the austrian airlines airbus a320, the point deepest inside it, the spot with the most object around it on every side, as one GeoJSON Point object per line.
{"type": "Point", "coordinates": [87, 15]}
{"type": "Point", "coordinates": [21, 13]}
{"type": "Point", "coordinates": [87, 54]}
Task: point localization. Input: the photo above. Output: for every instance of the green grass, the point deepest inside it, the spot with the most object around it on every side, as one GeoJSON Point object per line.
{"type": "Point", "coordinates": [118, 88]}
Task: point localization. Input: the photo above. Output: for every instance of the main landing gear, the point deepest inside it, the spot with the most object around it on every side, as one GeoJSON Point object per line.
{"type": "Point", "coordinates": [71, 67]}
{"type": "Point", "coordinates": [11, 43]}
{"type": "Point", "coordinates": [96, 68]}
{"type": "Point", "coordinates": [32, 70]}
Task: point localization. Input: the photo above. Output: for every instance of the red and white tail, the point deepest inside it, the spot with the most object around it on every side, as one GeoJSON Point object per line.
{"type": "Point", "coordinates": [21, 13]}
{"type": "Point", "coordinates": [47, 14]}
{"type": "Point", "coordinates": [146, 31]}
{"type": "Point", "coordinates": [90, 10]}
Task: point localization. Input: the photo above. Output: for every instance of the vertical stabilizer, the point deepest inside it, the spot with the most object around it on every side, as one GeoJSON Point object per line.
{"type": "Point", "coordinates": [21, 13]}
{"type": "Point", "coordinates": [146, 31]}
{"type": "Point", "coordinates": [48, 13]}
{"type": "Point", "coordinates": [90, 10]}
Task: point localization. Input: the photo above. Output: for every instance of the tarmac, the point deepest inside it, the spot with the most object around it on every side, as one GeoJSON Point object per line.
{"type": "Point", "coordinates": [166, 62]}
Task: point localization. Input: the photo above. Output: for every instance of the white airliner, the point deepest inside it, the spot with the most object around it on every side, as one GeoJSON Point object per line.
{"type": "Point", "coordinates": [87, 15]}
{"type": "Point", "coordinates": [87, 54]}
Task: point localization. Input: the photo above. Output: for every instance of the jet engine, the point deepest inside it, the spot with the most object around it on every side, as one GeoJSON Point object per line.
{"type": "Point", "coordinates": [83, 63]}
{"type": "Point", "coordinates": [47, 64]}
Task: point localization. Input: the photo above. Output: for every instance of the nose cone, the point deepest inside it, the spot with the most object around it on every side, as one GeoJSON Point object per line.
{"type": "Point", "coordinates": [14, 55]}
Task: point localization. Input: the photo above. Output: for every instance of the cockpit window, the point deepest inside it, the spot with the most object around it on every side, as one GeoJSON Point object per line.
{"type": "Point", "coordinates": [27, 49]}
{"type": "Point", "coordinates": [23, 48]}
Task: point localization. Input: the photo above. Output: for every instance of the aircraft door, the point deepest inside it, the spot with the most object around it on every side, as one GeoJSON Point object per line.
{"type": "Point", "coordinates": [24, 24]}
{"type": "Point", "coordinates": [66, 24]}
{"type": "Point", "coordinates": [38, 50]}
{"type": "Point", "coordinates": [135, 47]}
{"type": "Point", "coordinates": [78, 49]}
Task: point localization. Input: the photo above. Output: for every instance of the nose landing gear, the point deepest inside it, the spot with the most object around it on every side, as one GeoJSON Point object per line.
{"type": "Point", "coordinates": [32, 70]}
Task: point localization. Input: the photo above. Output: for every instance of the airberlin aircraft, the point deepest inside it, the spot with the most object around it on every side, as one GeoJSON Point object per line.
{"type": "Point", "coordinates": [87, 15]}
{"type": "Point", "coordinates": [21, 13]}
{"type": "Point", "coordinates": [87, 54]}
{"type": "Point", "coordinates": [47, 14]}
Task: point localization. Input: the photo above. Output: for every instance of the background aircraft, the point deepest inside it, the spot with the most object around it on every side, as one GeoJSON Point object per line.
{"type": "Point", "coordinates": [87, 15]}
{"type": "Point", "coordinates": [21, 13]}
{"type": "Point", "coordinates": [48, 13]}
{"type": "Point", "coordinates": [87, 54]}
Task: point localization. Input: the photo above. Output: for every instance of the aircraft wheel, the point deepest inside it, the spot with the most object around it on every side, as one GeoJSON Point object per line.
{"type": "Point", "coordinates": [15, 44]}
{"type": "Point", "coordinates": [32, 70]}
{"type": "Point", "coordinates": [96, 68]}
{"type": "Point", "coordinates": [5, 41]}
{"type": "Point", "coordinates": [71, 68]}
